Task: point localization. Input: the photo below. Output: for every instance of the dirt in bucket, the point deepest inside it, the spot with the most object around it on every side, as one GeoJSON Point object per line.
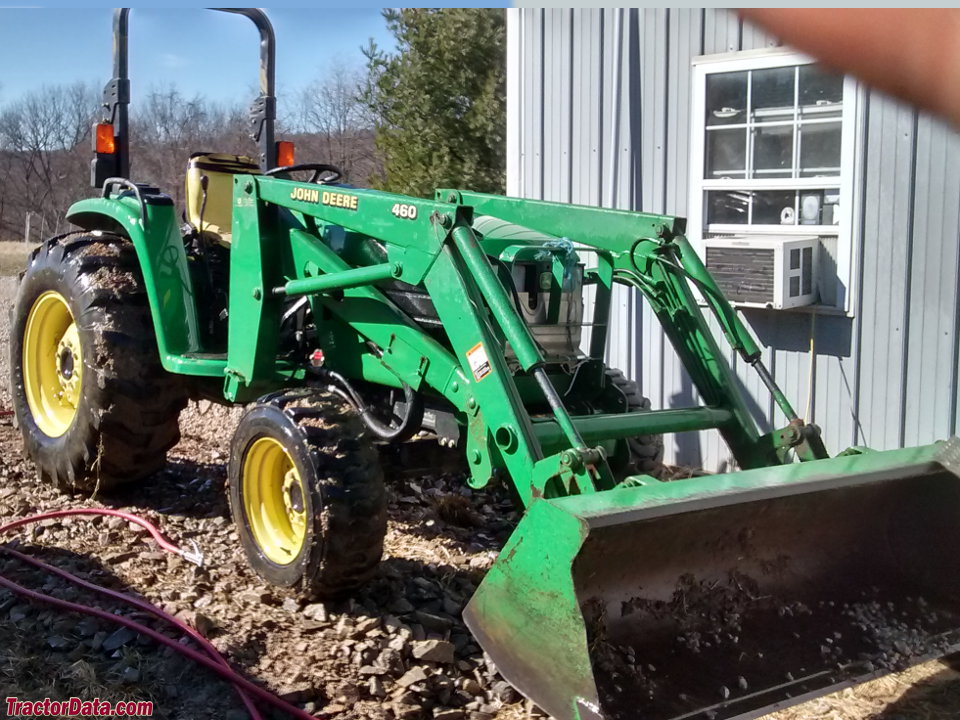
{"type": "Point", "coordinates": [717, 649]}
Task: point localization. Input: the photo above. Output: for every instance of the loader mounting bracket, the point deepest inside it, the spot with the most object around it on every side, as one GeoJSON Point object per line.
{"type": "Point", "coordinates": [803, 438]}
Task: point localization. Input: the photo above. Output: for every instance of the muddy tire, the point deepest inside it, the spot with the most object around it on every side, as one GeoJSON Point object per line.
{"type": "Point", "coordinates": [307, 493]}
{"type": "Point", "coordinates": [93, 404]}
{"type": "Point", "coordinates": [644, 453]}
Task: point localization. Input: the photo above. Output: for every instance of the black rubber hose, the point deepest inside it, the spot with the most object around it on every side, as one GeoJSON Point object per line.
{"type": "Point", "coordinates": [410, 423]}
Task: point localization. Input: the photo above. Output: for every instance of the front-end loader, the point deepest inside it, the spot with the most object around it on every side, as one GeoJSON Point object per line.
{"type": "Point", "coordinates": [352, 321]}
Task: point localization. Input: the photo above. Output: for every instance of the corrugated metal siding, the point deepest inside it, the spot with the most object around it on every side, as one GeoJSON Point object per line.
{"type": "Point", "coordinates": [886, 377]}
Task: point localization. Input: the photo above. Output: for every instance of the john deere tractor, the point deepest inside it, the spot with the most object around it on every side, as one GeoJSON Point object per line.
{"type": "Point", "coordinates": [353, 322]}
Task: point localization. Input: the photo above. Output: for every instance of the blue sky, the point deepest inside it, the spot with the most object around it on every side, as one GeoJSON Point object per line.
{"type": "Point", "coordinates": [200, 51]}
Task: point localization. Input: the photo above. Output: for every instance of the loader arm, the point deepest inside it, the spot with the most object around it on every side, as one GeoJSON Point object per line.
{"type": "Point", "coordinates": [432, 244]}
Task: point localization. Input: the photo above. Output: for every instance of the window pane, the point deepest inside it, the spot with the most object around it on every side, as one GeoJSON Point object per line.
{"type": "Point", "coordinates": [820, 149]}
{"type": "Point", "coordinates": [818, 87]}
{"type": "Point", "coordinates": [726, 98]}
{"type": "Point", "coordinates": [819, 207]}
{"type": "Point", "coordinates": [772, 93]}
{"type": "Point", "coordinates": [774, 207]}
{"type": "Point", "coordinates": [773, 151]}
{"type": "Point", "coordinates": [728, 207]}
{"type": "Point", "coordinates": [726, 153]}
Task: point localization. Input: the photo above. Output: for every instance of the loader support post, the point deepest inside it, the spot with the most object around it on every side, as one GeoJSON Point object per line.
{"type": "Point", "coordinates": [515, 330]}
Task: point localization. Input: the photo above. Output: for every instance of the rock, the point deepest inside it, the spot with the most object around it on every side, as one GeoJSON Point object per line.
{"type": "Point", "coordinates": [291, 605]}
{"type": "Point", "coordinates": [435, 651]}
{"type": "Point", "coordinates": [58, 642]}
{"type": "Point", "coordinates": [402, 606]}
{"type": "Point", "coordinates": [88, 626]}
{"type": "Point", "coordinates": [96, 642]}
{"type": "Point", "coordinates": [398, 643]}
{"type": "Point", "coordinates": [119, 557]}
{"type": "Point", "coordinates": [371, 670]}
{"type": "Point", "coordinates": [375, 687]}
{"type": "Point", "coordinates": [505, 692]}
{"type": "Point", "coordinates": [402, 711]}
{"type": "Point", "coordinates": [413, 675]}
{"type": "Point", "coordinates": [472, 686]}
{"type": "Point", "coordinates": [447, 714]}
{"type": "Point", "coordinates": [130, 675]}
{"type": "Point", "coordinates": [316, 611]}
{"type": "Point", "coordinates": [365, 626]}
{"type": "Point", "coordinates": [434, 623]}
{"type": "Point", "coordinates": [452, 607]}
{"type": "Point", "coordinates": [200, 622]}
{"type": "Point", "coordinates": [118, 638]}
{"type": "Point", "coordinates": [236, 714]}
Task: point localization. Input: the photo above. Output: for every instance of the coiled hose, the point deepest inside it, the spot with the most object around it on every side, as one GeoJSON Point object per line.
{"type": "Point", "coordinates": [216, 662]}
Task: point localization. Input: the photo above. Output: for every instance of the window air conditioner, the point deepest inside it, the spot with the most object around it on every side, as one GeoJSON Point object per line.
{"type": "Point", "coordinates": [764, 271]}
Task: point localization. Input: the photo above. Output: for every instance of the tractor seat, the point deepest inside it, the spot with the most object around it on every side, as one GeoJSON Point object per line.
{"type": "Point", "coordinates": [214, 218]}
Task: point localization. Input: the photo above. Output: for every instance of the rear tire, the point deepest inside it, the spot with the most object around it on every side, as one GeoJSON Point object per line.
{"type": "Point", "coordinates": [93, 404]}
{"type": "Point", "coordinates": [307, 493]}
{"type": "Point", "coordinates": [643, 453]}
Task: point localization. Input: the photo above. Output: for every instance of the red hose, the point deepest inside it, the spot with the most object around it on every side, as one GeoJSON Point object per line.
{"type": "Point", "coordinates": [224, 672]}
{"type": "Point", "coordinates": [129, 517]}
{"type": "Point", "coordinates": [241, 683]}
{"type": "Point", "coordinates": [142, 605]}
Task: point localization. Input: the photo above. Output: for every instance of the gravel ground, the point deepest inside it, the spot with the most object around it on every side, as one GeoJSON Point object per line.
{"type": "Point", "coordinates": [396, 650]}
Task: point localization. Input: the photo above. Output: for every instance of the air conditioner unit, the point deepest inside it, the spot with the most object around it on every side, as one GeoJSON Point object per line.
{"type": "Point", "coordinates": [763, 270]}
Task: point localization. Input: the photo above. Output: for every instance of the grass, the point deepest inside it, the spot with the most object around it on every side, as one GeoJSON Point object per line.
{"type": "Point", "coordinates": [13, 257]}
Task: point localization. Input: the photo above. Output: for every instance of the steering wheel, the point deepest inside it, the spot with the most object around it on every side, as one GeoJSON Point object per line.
{"type": "Point", "coordinates": [318, 170]}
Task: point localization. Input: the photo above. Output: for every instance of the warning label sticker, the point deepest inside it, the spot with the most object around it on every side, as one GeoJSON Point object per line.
{"type": "Point", "coordinates": [479, 363]}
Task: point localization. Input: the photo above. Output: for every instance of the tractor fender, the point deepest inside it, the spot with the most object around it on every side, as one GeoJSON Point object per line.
{"type": "Point", "coordinates": [163, 263]}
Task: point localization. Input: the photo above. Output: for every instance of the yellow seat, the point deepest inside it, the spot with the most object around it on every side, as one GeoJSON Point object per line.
{"type": "Point", "coordinates": [214, 217]}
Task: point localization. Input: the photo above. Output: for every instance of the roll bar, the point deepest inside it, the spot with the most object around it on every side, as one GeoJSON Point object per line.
{"type": "Point", "coordinates": [116, 98]}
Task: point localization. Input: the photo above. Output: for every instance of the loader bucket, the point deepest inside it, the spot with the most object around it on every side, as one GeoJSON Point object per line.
{"type": "Point", "coordinates": [728, 596]}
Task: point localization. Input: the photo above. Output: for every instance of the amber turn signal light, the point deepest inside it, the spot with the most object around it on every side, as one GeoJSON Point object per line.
{"type": "Point", "coordinates": [106, 143]}
{"type": "Point", "coordinates": [285, 153]}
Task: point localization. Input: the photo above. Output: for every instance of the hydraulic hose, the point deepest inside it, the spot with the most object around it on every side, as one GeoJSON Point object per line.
{"type": "Point", "coordinates": [410, 423]}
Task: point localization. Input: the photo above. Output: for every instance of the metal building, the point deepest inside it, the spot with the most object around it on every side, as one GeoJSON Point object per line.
{"type": "Point", "coordinates": [618, 108]}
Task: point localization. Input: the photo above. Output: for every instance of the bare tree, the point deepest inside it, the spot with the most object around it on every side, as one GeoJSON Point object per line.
{"type": "Point", "coordinates": [333, 123]}
{"type": "Point", "coordinates": [42, 141]}
{"type": "Point", "coordinates": [167, 128]}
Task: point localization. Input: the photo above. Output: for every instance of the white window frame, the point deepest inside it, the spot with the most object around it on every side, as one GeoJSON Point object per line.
{"type": "Point", "coordinates": [851, 140]}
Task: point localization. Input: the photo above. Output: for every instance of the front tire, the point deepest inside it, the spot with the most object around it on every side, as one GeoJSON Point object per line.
{"type": "Point", "coordinates": [93, 404]}
{"type": "Point", "coordinates": [641, 454]}
{"type": "Point", "coordinates": [307, 493]}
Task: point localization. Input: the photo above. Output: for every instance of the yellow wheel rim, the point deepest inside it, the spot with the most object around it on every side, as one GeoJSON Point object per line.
{"type": "Point", "coordinates": [274, 501]}
{"type": "Point", "coordinates": [52, 364]}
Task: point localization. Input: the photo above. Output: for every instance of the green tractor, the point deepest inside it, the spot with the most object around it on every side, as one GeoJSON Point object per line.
{"type": "Point", "coordinates": [353, 322]}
